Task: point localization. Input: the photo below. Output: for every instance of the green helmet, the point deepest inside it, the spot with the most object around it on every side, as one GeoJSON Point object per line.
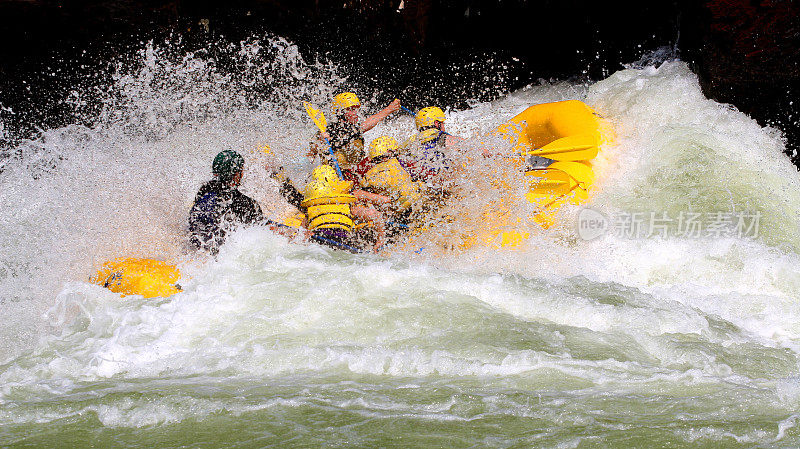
{"type": "Point", "coordinates": [227, 164]}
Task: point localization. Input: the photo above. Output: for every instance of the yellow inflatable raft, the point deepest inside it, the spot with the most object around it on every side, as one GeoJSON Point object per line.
{"type": "Point", "coordinates": [558, 141]}
{"type": "Point", "coordinates": [555, 144]}
{"type": "Point", "coordinates": [131, 276]}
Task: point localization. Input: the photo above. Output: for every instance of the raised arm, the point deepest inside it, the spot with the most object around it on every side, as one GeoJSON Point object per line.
{"type": "Point", "coordinates": [374, 119]}
{"type": "Point", "coordinates": [370, 197]}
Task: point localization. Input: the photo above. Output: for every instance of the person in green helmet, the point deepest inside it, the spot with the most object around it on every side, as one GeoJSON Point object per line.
{"type": "Point", "coordinates": [219, 206]}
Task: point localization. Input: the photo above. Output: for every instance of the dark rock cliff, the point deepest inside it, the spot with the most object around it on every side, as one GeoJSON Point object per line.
{"type": "Point", "coordinates": [746, 52]}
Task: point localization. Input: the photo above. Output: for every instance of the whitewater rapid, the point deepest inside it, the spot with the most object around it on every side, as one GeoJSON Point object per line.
{"type": "Point", "coordinates": [564, 342]}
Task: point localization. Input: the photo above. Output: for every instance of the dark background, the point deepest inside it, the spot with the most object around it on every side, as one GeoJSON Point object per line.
{"type": "Point", "coordinates": [745, 52]}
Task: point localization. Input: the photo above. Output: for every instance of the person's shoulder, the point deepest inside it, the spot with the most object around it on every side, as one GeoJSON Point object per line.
{"type": "Point", "coordinates": [247, 206]}
{"type": "Point", "coordinates": [241, 197]}
{"type": "Point", "coordinates": [207, 187]}
{"type": "Point", "coordinates": [451, 139]}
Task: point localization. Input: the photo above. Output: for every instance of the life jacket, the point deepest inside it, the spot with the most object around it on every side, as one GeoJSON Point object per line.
{"type": "Point", "coordinates": [390, 178]}
{"type": "Point", "coordinates": [347, 143]}
{"type": "Point", "coordinates": [430, 138]}
{"type": "Point", "coordinates": [327, 207]}
{"type": "Point", "coordinates": [426, 159]}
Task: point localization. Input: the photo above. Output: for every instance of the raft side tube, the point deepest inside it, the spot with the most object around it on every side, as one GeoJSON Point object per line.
{"type": "Point", "coordinates": [149, 278]}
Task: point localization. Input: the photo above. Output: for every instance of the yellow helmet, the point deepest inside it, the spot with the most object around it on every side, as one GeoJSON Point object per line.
{"type": "Point", "coordinates": [344, 101]}
{"type": "Point", "coordinates": [316, 189]}
{"type": "Point", "coordinates": [341, 186]}
{"type": "Point", "coordinates": [428, 116]}
{"type": "Point", "coordinates": [381, 146]}
{"type": "Point", "coordinates": [325, 177]}
{"type": "Point", "coordinates": [324, 173]}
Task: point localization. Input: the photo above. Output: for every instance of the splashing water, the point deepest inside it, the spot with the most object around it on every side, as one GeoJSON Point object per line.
{"type": "Point", "coordinates": [652, 340]}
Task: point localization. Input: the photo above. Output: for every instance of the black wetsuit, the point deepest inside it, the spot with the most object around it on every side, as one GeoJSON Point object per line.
{"type": "Point", "coordinates": [217, 209]}
{"type": "Point", "coordinates": [291, 194]}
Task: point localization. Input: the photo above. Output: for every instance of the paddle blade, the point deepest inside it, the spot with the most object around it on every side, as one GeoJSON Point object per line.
{"type": "Point", "coordinates": [580, 173]}
{"type": "Point", "coordinates": [558, 184]}
{"type": "Point", "coordinates": [561, 176]}
{"type": "Point", "coordinates": [317, 116]}
{"type": "Point", "coordinates": [581, 147]}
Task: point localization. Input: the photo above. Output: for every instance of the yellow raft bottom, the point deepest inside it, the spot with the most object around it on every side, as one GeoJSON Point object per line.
{"type": "Point", "coordinates": [133, 276]}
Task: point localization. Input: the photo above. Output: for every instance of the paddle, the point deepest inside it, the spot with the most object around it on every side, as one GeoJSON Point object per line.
{"type": "Point", "coordinates": [581, 173]}
{"type": "Point", "coordinates": [581, 147]}
{"type": "Point", "coordinates": [319, 119]}
{"type": "Point", "coordinates": [398, 225]}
